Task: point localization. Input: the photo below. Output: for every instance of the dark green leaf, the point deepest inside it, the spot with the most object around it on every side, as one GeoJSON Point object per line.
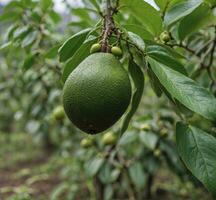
{"type": "Point", "coordinates": [199, 18]}
{"type": "Point", "coordinates": [155, 84]}
{"type": "Point", "coordinates": [139, 30]}
{"type": "Point", "coordinates": [180, 10]}
{"type": "Point", "coordinates": [145, 14]}
{"type": "Point", "coordinates": [198, 151]}
{"type": "Point", "coordinates": [166, 57]}
{"type": "Point", "coordinates": [71, 45]}
{"type": "Point", "coordinates": [52, 52]}
{"type": "Point", "coordinates": [29, 61]}
{"type": "Point", "coordinates": [138, 80]}
{"type": "Point", "coordinates": [76, 59]}
{"type": "Point", "coordinates": [185, 90]}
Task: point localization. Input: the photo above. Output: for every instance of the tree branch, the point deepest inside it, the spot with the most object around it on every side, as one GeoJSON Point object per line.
{"type": "Point", "coordinates": [108, 27]}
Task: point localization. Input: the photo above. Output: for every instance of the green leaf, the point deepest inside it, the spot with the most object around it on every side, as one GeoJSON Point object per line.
{"type": "Point", "coordinates": [52, 52]}
{"type": "Point", "coordinates": [95, 4]}
{"type": "Point", "coordinates": [199, 18]}
{"type": "Point", "coordinates": [148, 139]}
{"type": "Point", "coordinates": [139, 30]}
{"type": "Point", "coordinates": [5, 46]}
{"type": "Point", "coordinates": [107, 174]}
{"type": "Point", "coordinates": [137, 175]}
{"type": "Point", "coordinates": [128, 137]}
{"type": "Point", "coordinates": [21, 32]}
{"type": "Point", "coordinates": [30, 38]}
{"type": "Point", "coordinates": [155, 84]}
{"type": "Point", "coordinates": [29, 61]}
{"type": "Point", "coordinates": [93, 166]}
{"type": "Point", "coordinates": [45, 4]}
{"type": "Point", "coordinates": [162, 4]}
{"type": "Point", "coordinates": [180, 10]}
{"type": "Point", "coordinates": [9, 16]}
{"type": "Point", "coordinates": [145, 14]}
{"type": "Point", "coordinates": [71, 45]}
{"type": "Point", "coordinates": [185, 90]}
{"type": "Point", "coordinates": [198, 151]}
{"type": "Point", "coordinates": [54, 16]}
{"type": "Point", "coordinates": [137, 40]}
{"type": "Point", "coordinates": [76, 59]}
{"type": "Point", "coordinates": [166, 57]}
{"type": "Point", "coordinates": [138, 81]}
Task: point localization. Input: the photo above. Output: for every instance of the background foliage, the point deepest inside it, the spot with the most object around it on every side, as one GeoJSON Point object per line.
{"type": "Point", "coordinates": [151, 158]}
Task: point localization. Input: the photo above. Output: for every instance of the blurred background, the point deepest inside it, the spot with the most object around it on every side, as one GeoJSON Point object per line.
{"type": "Point", "coordinates": [42, 156]}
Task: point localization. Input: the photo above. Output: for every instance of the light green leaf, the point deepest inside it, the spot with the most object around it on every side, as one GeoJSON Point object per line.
{"type": "Point", "coordinates": [198, 151]}
{"type": "Point", "coordinates": [137, 175]}
{"type": "Point", "coordinates": [137, 40]}
{"type": "Point", "coordinates": [148, 139]}
{"type": "Point", "coordinates": [128, 137]}
{"type": "Point", "coordinates": [185, 90]}
{"type": "Point", "coordinates": [76, 59]}
{"type": "Point", "coordinates": [145, 14]}
{"type": "Point", "coordinates": [199, 18]}
{"type": "Point", "coordinates": [138, 80]}
{"type": "Point", "coordinates": [92, 167]}
{"type": "Point", "coordinates": [71, 45]}
{"type": "Point", "coordinates": [30, 38]}
{"type": "Point", "coordinates": [180, 10]}
{"type": "Point", "coordinates": [45, 4]}
{"type": "Point", "coordinates": [21, 32]}
{"type": "Point", "coordinates": [54, 16]}
{"type": "Point", "coordinates": [5, 45]}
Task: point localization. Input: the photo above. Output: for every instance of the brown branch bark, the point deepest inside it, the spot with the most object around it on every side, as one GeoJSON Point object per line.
{"type": "Point", "coordinates": [108, 27]}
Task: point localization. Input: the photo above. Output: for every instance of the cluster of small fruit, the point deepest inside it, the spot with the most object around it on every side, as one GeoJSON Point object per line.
{"type": "Point", "coordinates": [115, 50]}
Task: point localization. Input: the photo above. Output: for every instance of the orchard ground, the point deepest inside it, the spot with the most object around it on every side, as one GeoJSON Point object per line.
{"type": "Point", "coordinates": [28, 172]}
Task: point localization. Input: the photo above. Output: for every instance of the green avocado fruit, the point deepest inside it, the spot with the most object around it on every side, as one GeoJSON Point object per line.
{"type": "Point", "coordinates": [95, 48]}
{"type": "Point", "coordinates": [116, 51]}
{"type": "Point", "coordinates": [97, 93]}
{"type": "Point", "coordinates": [109, 138]}
{"type": "Point", "coordinates": [58, 113]}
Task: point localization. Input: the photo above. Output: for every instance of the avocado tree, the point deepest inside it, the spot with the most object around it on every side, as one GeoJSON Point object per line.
{"type": "Point", "coordinates": [154, 42]}
{"type": "Point", "coordinates": [114, 47]}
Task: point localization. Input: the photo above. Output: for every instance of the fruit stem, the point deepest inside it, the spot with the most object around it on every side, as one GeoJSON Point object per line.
{"type": "Point", "coordinates": [108, 26]}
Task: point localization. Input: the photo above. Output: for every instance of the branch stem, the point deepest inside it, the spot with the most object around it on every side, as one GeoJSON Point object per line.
{"type": "Point", "coordinates": [108, 27]}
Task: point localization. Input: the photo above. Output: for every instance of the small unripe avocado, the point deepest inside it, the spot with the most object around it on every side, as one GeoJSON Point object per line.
{"type": "Point", "coordinates": [145, 127]}
{"type": "Point", "coordinates": [157, 152]}
{"type": "Point", "coordinates": [59, 113]}
{"type": "Point", "coordinates": [165, 37]}
{"type": "Point", "coordinates": [109, 138]}
{"type": "Point", "coordinates": [116, 51]}
{"type": "Point", "coordinates": [164, 132]}
{"type": "Point", "coordinates": [95, 48]}
{"type": "Point", "coordinates": [86, 142]}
